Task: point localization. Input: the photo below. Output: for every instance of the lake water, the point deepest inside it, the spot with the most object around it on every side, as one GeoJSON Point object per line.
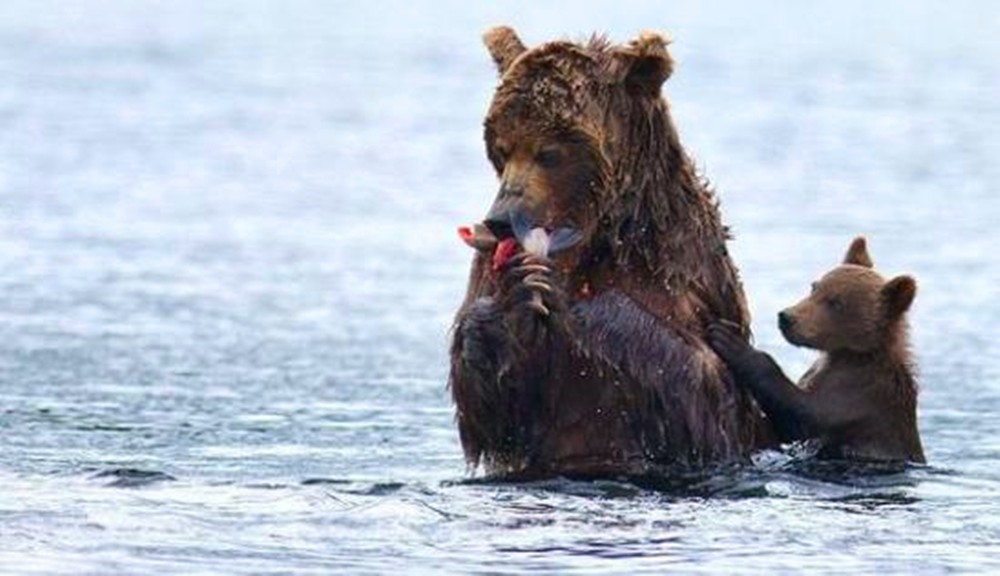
{"type": "Point", "coordinates": [228, 267]}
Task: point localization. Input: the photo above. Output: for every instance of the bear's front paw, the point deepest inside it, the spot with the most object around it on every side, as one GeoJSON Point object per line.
{"type": "Point", "coordinates": [730, 345]}
{"type": "Point", "coordinates": [530, 285]}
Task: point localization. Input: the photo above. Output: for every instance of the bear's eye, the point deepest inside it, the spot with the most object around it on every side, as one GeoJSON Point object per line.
{"type": "Point", "coordinates": [500, 152]}
{"type": "Point", "coordinates": [835, 304]}
{"type": "Point", "coordinates": [813, 287]}
{"type": "Point", "coordinates": [548, 157]}
{"type": "Point", "coordinates": [502, 155]}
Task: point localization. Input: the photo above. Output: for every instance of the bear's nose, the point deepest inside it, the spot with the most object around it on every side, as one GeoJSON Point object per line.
{"type": "Point", "coordinates": [785, 320]}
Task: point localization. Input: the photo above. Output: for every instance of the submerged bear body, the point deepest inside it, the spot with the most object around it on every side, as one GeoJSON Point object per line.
{"type": "Point", "coordinates": [593, 361]}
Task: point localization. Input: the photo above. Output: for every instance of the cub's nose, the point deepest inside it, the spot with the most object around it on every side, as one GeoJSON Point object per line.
{"type": "Point", "coordinates": [785, 320]}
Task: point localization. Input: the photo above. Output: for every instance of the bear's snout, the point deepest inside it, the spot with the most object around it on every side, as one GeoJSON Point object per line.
{"type": "Point", "coordinates": [791, 328]}
{"type": "Point", "coordinates": [785, 321]}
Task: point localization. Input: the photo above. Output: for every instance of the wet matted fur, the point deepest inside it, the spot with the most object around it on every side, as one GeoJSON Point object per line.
{"type": "Point", "coordinates": [618, 378]}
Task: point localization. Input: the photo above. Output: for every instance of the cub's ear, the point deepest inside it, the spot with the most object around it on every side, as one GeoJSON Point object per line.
{"type": "Point", "coordinates": [643, 65]}
{"type": "Point", "coordinates": [898, 294]}
{"type": "Point", "coordinates": [504, 46]}
{"type": "Point", "coordinates": [857, 254]}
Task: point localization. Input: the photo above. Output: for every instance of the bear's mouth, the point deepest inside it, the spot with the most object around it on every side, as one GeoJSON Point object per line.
{"type": "Point", "coordinates": [793, 337]}
{"type": "Point", "coordinates": [500, 226]}
{"type": "Point", "coordinates": [513, 223]}
{"type": "Point", "coordinates": [790, 336]}
{"type": "Point", "coordinates": [513, 216]}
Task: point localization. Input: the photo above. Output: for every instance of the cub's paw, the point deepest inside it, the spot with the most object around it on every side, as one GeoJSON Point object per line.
{"type": "Point", "coordinates": [732, 346]}
{"type": "Point", "coordinates": [729, 343]}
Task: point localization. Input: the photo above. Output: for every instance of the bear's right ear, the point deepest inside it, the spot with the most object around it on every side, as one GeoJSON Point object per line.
{"type": "Point", "coordinates": [643, 65]}
{"type": "Point", "coordinates": [504, 46]}
{"type": "Point", "coordinates": [857, 254]}
{"type": "Point", "coordinates": [898, 294]}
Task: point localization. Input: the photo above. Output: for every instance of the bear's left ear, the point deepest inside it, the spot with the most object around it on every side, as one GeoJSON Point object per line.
{"type": "Point", "coordinates": [504, 46]}
{"type": "Point", "coordinates": [857, 253]}
{"type": "Point", "coordinates": [898, 294]}
{"type": "Point", "coordinates": [643, 65]}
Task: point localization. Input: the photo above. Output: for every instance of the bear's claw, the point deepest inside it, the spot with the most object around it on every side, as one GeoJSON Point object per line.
{"type": "Point", "coordinates": [537, 305]}
{"type": "Point", "coordinates": [537, 282]}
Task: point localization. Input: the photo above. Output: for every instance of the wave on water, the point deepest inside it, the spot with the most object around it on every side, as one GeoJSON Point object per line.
{"type": "Point", "coordinates": [132, 477]}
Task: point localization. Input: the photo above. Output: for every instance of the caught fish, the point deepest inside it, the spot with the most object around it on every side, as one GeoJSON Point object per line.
{"type": "Point", "coordinates": [478, 236]}
{"type": "Point", "coordinates": [539, 241]}
{"type": "Point", "coordinates": [535, 240]}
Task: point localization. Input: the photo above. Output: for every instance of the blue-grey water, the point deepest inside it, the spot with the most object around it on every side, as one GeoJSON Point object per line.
{"type": "Point", "coordinates": [228, 267]}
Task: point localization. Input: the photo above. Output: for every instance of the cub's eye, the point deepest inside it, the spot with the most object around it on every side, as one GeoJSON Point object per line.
{"type": "Point", "coordinates": [813, 287]}
{"type": "Point", "coordinates": [835, 304]}
{"type": "Point", "coordinates": [548, 157]}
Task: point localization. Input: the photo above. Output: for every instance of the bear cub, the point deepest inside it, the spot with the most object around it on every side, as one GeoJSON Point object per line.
{"type": "Point", "coordinates": [860, 398]}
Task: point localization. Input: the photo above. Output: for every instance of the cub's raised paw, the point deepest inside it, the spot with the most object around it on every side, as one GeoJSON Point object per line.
{"type": "Point", "coordinates": [729, 344]}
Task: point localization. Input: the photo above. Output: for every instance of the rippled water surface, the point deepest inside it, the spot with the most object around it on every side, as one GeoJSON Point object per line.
{"type": "Point", "coordinates": [228, 268]}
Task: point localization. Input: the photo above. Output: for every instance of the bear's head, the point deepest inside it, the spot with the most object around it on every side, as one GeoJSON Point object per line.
{"type": "Point", "coordinates": [851, 308]}
{"type": "Point", "coordinates": [580, 137]}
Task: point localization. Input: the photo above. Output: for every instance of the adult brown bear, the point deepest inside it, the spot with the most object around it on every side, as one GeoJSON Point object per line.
{"type": "Point", "coordinates": [594, 362]}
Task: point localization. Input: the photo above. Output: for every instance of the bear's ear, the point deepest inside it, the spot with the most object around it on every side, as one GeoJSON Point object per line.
{"type": "Point", "coordinates": [857, 254]}
{"type": "Point", "coordinates": [898, 294]}
{"type": "Point", "coordinates": [504, 46]}
{"type": "Point", "coordinates": [643, 65]}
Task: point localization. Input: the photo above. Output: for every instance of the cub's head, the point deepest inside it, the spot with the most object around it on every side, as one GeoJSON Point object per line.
{"type": "Point", "coordinates": [563, 129]}
{"type": "Point", "coordinates": [851, 308]}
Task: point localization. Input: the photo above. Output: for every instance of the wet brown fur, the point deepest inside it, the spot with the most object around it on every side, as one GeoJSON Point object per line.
{"type": "Point", "coordinates": [619, 378]}
{"type": "Point", "coordinates": [860, 398]}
